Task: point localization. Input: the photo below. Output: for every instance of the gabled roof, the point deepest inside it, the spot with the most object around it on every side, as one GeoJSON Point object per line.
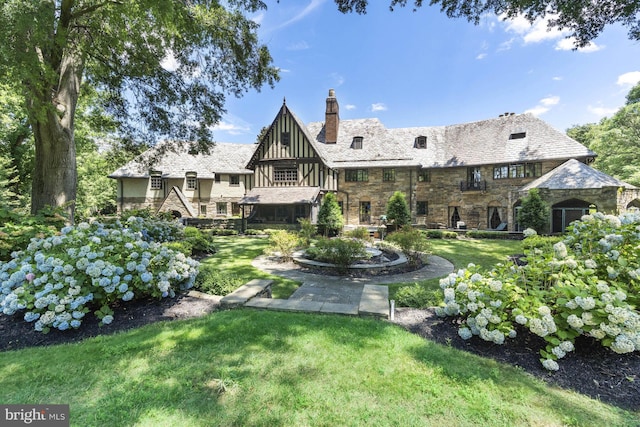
{"type": "Point", "coordinates": [284, 110]}
{"type": "Point", "coordinates": [281, 196]}
{"type": "Point", "coordinates": [225, 158]}
{"type": "Point", "coordinates": [176, 195]}
{"type": "Point", "coordinates": [574, 175]}
{"type": "Point", "coordinates": [467, 144]}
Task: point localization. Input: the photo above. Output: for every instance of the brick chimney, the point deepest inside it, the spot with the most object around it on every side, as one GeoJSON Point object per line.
{"type": "Point", "coordinates": [331, 119]}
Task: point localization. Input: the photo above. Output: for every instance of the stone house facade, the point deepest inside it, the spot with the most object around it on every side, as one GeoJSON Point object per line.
{"type": "Point", "coordinates": [471, 175]}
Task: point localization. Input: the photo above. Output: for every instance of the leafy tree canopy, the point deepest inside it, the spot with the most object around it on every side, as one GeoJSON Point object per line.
{"type": "Point", "coordinates": [615, 140]}
{"type": "Point", "coordinates": [585, 19]}
{"type": "Point", "coordinates": [165, 67]}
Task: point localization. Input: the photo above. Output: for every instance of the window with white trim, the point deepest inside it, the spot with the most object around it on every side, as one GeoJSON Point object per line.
{"type": "Point", "coordinates": [192, 181]}
{"type": "Point", "coordinates": [234, 180]}
{"type": "Point", "coordinates": [221, 208]}
{"type": "Point", "coordinates": [156, 180]}
{"type": "Point", "coordinates": [421, 142]}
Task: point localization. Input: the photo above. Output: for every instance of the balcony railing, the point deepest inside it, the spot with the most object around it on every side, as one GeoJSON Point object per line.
{"type": "Point", "coordinates": [473, 185]}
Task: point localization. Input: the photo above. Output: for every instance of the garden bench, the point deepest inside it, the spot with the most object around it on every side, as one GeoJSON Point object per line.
{"type": "Point", "coordinates": [252, 289]}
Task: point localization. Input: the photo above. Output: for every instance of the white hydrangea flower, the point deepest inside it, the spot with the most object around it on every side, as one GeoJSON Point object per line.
{"type": "Point", "coordinates": [558, 352]}
{"type": "Point", "coordinates": [622, 344]}
{"type": "Point", "coordinates": [465, 333]}
{"type": "Point", "coordinates": [543, 310]}
{"type": "Point", "coordinates": [560, 250]}
{"type": "Point", "coordinates": [550, 364]}
{"type": "Point", "coordinates": [495, 285]}
{"type": "Point", "coordinates": [597, 333]}
{"type": "Point", "coordinates": [589, 263]}
{"type": "Point", "coordinates": [575, 322]}
{"type": "Point", "coordinates": [520, 319]}
{"type": "Point", "coordinates": [567, 346]}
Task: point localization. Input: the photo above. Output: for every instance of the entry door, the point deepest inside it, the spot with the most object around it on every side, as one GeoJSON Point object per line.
{"type": "Point", "coordinates": [365, 212]}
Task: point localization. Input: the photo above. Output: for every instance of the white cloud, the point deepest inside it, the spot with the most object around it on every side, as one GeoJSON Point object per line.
{"type": "Point", "coordinates": [313, 5]}
{"type": "Point", "coordinates": [629, 79]}
{"type": "Point", "coordinates": [233, 125]}
{"type": "Point", "coordinates": [349, 107]}
{"type": "Point", "coordinates": [169, 62]}
{"type": "Point", "coordinates": [557, 78]}
{"type": "Point", "coordinates": [378, 106]}
{"type": "Point", "coordinates": [283, 70]}
{"type": "Point", "coordinates": [601, 111]}
{"type": "Point", "coordinates": [481, 56]}
{"type": "Point", "coordinates": [506, 45]}
{"type": "Point", "coordinates": [550, 101]}
{"type": "Point", "coordinates": [535, 32]}
{"type": "Point", "coordinates": [544, 105]}
{"type": "Point", "coordinates": [569, 44]}
{"type": "Point", "coordinates": [337, 78]}
{"type": "Point", "coordinates": [301, 45]}
{"type": "Point", "coordinates": [258, 18]}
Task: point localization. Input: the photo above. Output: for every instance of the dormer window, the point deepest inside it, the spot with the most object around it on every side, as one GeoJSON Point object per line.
{"type": "Point", "coordinates": [156, 180]}
{"type": "Point", "coordinates": [521, 134]}
{"type": "Point", "coordinates": [421, 142]}
{"type": "Point", "coordinates": [357, 143]}
{"type": "Point", "coordinates": [192, 180]}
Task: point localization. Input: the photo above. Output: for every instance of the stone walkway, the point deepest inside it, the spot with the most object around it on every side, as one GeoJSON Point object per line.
{"type": "Point", "coordinates": [356, 296]}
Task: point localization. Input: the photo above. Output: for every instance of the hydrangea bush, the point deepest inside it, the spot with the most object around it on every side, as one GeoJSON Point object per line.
{"type": "Point", "coordinates": [588, 284]}
{"type": "Point", "coordinates": [58, 279]}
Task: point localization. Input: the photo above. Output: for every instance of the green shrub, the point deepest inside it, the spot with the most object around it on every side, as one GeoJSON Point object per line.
{"type": "Point", "coordinates": [282, 244]}
{"type": "Point", "coordinates": [441, 234]}
{"type": "Point", "coordinates": [254, 232]}
{"type": "Point", "coordinates": [416, 296]}
{"type": "Point", "coordinates": [411, 242]}
{"type": "Point", "coordinates": [361, 233]}
{"type": "Point", "coordinates": [18, 229]}
{"type": "Point", "coordinates": [489, 234]}
{"type": "Point", "coordinates": [341, 252]}
{"type": "Point", "coordinates": [214, 282]}
{"type": "Point", "coordinates": [540, 242]}
{"type": "Point", "coordinates": [181, 246]}
{"type": "Point", "coordinates": [218, 231]}
{"type": "Point", "coordinates": [200, 243]}
{"type": "Point", "coordinates": [307, 232]}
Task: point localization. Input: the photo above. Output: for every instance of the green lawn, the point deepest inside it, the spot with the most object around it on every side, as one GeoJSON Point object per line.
{"type": "Point", "coordinates": [234, 255]}
{"type": "Point", "coordinates": [261, 368]}
{"type": "Point", "coordinates": [461, 252]}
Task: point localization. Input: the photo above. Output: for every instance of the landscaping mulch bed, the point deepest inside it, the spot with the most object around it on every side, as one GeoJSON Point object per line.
{"type": "Point", "coordinates": [591, 369]}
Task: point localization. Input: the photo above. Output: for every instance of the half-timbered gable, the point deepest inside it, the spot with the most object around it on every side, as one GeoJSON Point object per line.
{"type": "Point", "coordinates": [286, 156]}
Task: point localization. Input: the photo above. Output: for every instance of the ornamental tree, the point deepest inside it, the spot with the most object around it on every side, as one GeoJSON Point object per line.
{"type": "Point", "coordinates": [398, 210]}
{"type": "Point", "coordinates": [330, 220]}
{"type": "Point", "coordinates": [166, 67]}
{"type": "Point", "coordinates": [534, 212]}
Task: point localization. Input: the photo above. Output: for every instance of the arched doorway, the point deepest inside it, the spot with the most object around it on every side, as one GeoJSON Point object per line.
{"type": "Point", "coordinates": [454, 216]}
{"type": "Point", "coordinates": [633, 205]}
{"type": "Point", "coordinates": [176, 214]}
{"type": "Point", "coordinates": [564, 213]}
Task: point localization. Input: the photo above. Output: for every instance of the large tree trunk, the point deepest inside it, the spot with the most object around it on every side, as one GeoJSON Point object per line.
{"type": "Point", "coordinates": [55, 173]}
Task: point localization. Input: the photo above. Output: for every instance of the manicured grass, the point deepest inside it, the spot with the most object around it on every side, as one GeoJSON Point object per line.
{"type": "Point", "coordinates": [461, 252]}
{"type": "Point", "coordinates": [262, 368]}
{"type": "Point", "coordinates": [234, 257]}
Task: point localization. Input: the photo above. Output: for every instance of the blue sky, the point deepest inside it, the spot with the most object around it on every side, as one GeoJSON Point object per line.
{"type": "Point", "coordinates": [423, 69]}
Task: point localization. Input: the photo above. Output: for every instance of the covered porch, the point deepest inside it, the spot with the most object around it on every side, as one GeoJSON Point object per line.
{"type": "Point", "coordinates": [280, 205]}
